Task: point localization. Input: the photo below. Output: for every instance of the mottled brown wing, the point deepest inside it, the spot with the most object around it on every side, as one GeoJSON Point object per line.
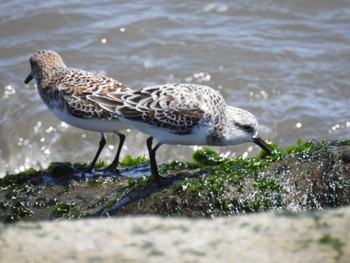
{"type": "Point", "coordinates": [81, 107]}
{"type": "Point", "coordinates": [147, 107]}
{"type": "Point", "coordinates": [75, 93]}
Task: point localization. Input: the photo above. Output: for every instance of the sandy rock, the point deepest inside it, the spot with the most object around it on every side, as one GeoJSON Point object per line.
{"type": "Point", "coordinates": [321, 236]}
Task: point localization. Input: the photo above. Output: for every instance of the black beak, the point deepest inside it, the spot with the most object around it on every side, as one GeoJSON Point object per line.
{"type": "Point", "coordinates": [28, 79]}
{"type": "Point", "coordinates": [257, 140]}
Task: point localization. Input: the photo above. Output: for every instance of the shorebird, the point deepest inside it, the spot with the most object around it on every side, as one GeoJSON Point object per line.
{"type": "Point", "coordinates": [64, 91]}
{"type": "Point", "coordinates": [185, 114]}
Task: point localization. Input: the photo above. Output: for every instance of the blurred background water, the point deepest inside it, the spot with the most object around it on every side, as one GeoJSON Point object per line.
{"type": "Point", "coordinates": [288, 62]}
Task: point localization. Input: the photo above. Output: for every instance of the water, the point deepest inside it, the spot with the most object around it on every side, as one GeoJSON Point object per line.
{"type": "Point", "coordinates": [288, 62]}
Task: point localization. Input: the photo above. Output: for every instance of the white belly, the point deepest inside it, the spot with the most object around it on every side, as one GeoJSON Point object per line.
{"type": "Point", "coordinates": [199, 136]}
{"type": "Point", "coordinates": [97, 125]}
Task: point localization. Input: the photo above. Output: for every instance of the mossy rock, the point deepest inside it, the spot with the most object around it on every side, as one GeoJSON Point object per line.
{"type": "Point", "coordinates": [308, 176]}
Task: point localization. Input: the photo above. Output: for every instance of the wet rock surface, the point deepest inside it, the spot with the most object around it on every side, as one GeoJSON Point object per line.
{"type": "Point", "coordinates": [313, 175]}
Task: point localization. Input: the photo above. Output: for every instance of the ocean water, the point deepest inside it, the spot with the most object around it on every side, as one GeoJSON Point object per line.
{"type": "Point", "coordinates": [288, 62]}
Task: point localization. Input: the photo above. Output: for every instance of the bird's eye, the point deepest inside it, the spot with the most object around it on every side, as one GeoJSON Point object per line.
{"type": "Point", "coordinates": [248, 128]}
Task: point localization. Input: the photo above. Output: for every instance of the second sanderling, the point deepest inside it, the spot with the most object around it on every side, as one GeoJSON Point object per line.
{"type": "Point", "coordinates": [185, 114]}
{"type": "Point", "coordinates": [64, 91]}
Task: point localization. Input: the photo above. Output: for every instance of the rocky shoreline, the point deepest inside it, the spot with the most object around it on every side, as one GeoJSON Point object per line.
{"type": "Point", "coordinates": [303, 184]}
{"type": "Point", "coordinates": [313, 175]}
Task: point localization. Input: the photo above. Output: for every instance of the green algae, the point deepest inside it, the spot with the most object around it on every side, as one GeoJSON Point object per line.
{"type": "Point", "coordinates": [130, 161]}
{"type": "Point", "coordinates": [100, 164]}
{"type": "Point", "coordinates": [327, 239]}
{"type": "Point", "coordinates": [334, 242]}
{"type": "Point", "coordinates": [177, 166]}
{"type": "Point", "coordinates": [94, 183]}
{"type": "Point", "coordinates": [29, 176]}
{"type": "Point", "coordinates": [293, 178]}
{"type": "Point", "coordinates": [139, 182]}
{"type": "Point", "coordinates": [222, 183]}
{"type": "Point", "coordinates": [65, 210]}
{"type": "Point", "coordinates": [33, 195]}
{"type": "Point", "coordinates": [207, 157]}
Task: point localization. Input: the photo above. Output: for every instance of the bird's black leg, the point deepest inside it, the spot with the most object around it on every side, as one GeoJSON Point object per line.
{"type": "Point", "coordinates": [152, 158]}
{"type": "Point", "coordinates": [154, 167]}
{"type": "Point", "coordinates": [101, 145]}
{"type": "Point", "coordinates": [115, 162]}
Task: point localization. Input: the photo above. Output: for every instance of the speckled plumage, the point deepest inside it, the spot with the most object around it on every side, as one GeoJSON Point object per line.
{"type": "Point", "coordinates": [185, 114]}
{"type": "Point", "coordinates": [64, 90]}
{"type": "Point", "coordinates": [171, 107]}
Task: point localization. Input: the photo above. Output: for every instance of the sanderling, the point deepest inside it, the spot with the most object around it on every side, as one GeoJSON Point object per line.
{"type": "Point", "coordinates": [185, 114]}
{"type": "Point", "coordinates": [64, 91]}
